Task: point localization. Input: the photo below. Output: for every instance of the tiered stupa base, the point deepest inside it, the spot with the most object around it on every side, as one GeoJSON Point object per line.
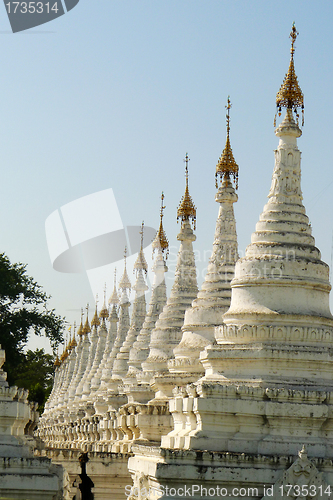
{"type": "Point", "coordinates": [174, 474]}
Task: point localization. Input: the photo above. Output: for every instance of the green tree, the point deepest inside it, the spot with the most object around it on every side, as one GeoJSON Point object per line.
{"type": "Point", "coordinates": [35, 373]}
{"type": "Point", "coordinates": [23, 309]}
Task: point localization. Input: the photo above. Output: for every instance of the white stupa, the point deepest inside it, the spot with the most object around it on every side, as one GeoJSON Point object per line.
{"type": "Point", "coordinates": [214, 297]}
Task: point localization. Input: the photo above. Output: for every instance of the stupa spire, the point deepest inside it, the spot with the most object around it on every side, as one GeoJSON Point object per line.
{"type": "Point", "coordinates": [214, 297]}
{"type": "Point", "coordinates": [161, 241]}
{"type": "Point", "coordinates": [290, 95]}
{"type": "Point", "coordinates": [88, 355]}
{"type": "Point", "coordinates": [186, 210]}
{"type": "Point", "coordinates": [86, 328]}
{"type": "Point", "coordinates": [104, 313]}
{"type": "Point", "coordinates": [60, 377]}
{"type": "Point", "coordinates": [57, 362]}
{"type": "Point", "coordinates": [80, 358]}
{"type": "Point", "coordinates": [141, 262]}
{"type": "Point", "coordinates": [125, 283]}
{"type": "Point", "coordinates": [103, 374]}
{"type": "Point", "coordinates": [69, 369]}
{"type": "Point", "coordinates": [95, 321]}
{"type": "Point", "coordinates": [74, 343]}
{"type": "Point", "coordinates": [56, 384]}
{"type": "Point", "coordinates": [140, 350]}
{"type": "Point", "coordinates": [120, 366]}
{"type": "Point", "coordinates": [96, 354]}
{"type": "Point", "coordinates": [80, 329]}
{"type": "Point", "coordinates": [76, 384]}
{"type": "Point", "coordinates": [167, 332]}
{"type": "Point", "coordinates": [114, 299]}
{"type": "Point", "coordinates": [227, 165]}
{"type": "Point", "coordinates": [124, 318]}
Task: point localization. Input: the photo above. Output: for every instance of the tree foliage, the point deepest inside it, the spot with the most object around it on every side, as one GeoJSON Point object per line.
{"type": "Point", "coordinates": [23, 309]}
{"type": "Point", "coordinates": [35, 372]}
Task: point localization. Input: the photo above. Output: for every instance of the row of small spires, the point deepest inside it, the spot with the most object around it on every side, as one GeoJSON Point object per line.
{"type": "Point", "coordinates": [186, 211]}
{"type": "Point", "coordinates": [82, 330]}
{"type": "Point", "coordinates": [289, 96]}
{"type": "Point", "coordinates": [226, 168]}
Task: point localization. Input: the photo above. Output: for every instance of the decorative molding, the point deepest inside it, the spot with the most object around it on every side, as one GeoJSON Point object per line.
{"type": "Point", "coordinates": [274, 333]}
{"type": "Point", "coordinates": [301, 480]}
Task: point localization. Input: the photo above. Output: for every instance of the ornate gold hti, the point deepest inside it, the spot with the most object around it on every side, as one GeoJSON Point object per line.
{"type": "Point", "coordinates": [227, 166]}
{"type": "Point", "coordinates": [290, 95]}
{"type": "Point", "coordinates": [80, 330]}
{"type": "Point", "coordinates": [95, 320]}
{"type": "Point", "coordinates": [104, 313]}
{"type": "Point", "coordinates": [186, 209]}
{"type": "Point", "coordinates": [160, 240]}
{"type": "Point", "coordinates": [125, 282]}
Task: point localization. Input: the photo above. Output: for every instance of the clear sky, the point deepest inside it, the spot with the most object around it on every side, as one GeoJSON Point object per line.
{"type": "Point", "coordinates": [115, 92]}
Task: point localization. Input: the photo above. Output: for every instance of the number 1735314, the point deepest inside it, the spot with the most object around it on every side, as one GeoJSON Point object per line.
{"type": "Point", "coordinates": [32, 7]}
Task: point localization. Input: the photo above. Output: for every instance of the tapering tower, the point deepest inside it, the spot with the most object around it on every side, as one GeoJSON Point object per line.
{"type": "Point", "coordinates": [140, 350]}
{"type": "Point", "coordinates": [69, 363]}
{"type": "Point", "coordinates": [83, 355]}
{"type": "Point", "coordinates": [112, 386]}
{"type": "Point", "coordinates": [78, 352]}
{"type": "Point", "coordinates": [114, 299]}
{"type": "Point", "coordinates": [167, 332]}
{"type": "Point", "coordinates": [104, 370]}
{"type": "Point", "coordinates": [124, 317]}
{"type": "Point", "coordinates": [87, 392]}
{"type": "Point", "coordinates": [91, 356]}
{"type": "Point", "coordinates": [103, 377]}
{"type": "Point", "coordinates": [214, 297]}
{"type": "Point", "coordinates": [56, 385]}
{"type": "Point", "coordinates": [120, 366]}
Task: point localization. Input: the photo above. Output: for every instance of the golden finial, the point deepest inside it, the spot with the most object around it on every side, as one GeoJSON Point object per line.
{"type": "Point", "coordinates": [125, 282]}
{"type": "Point", "coordinates": [86, 328]}
{"type": "Point", "coordinates": [95, 321]}
{"type": "Point", "coordinates": [69, 346]}
{"type": "Point", "coordinates": [62, 357]}
{"type": "Point", "coordinates": [80, 330]}
{"type": "Point", "coordinates": [141, 262]}
{"type": "Point", "coordinates": [293, 35]}
{"type": "Point", "coordinates": [160, 240]}
{"type": "Point", "coordinates": [290, 95]}
{"type": "Point", "coordinates": [104, 313]}
{"type": "Point", "coordinates": [114, 299]}
{"type": "Point", "coordinates": [57, 362]}
{"type": "Point", "coordinates": [73, 343]}
{"type": "Point", "coordinates": [186, 209]}
{"type": "Point", "coordinates": [227, 165]}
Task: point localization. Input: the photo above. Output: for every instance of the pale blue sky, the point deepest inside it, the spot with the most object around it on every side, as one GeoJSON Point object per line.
{"type": "Point", "coordinates": [114, 93]}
